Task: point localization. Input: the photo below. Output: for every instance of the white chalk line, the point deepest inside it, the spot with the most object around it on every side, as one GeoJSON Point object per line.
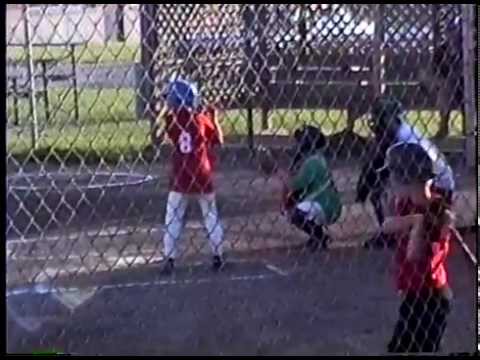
{"type": "Point", "coordinates": [30, 324]}
{"type": "Point", "coordinates": [142, 258]}
{"type": "Point", "coordinates": [125, 232]}
{"type": "Point", "coordinates": [276, 270]}
{"type": "Point", "coordinates": [40, 289]}
{"type": "Point", "coordinates": [100, 232]}
{"type": "Point", "coordinates": [44, 289]}
{"type": "Point", "coordinates": [143, 179]}
{"type": "Point", "coordinates": [73, 297]}
{"type": "Point", "coordinates": [104, 231]}
{"type": "Point", "coordinates": [121, 262]}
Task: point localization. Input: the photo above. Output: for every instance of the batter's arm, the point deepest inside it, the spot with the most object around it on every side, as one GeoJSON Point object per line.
{"type": "Point", "coordinates": [217, 137]}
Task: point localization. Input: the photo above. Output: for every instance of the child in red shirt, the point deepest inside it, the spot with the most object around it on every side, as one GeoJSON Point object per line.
{"type": "Point", "coordinates": [193, 131]}
{"type": "Point", "coordinates": [423, 227]}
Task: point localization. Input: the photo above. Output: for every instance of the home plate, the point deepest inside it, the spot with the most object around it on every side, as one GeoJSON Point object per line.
{"type": "Point", "coordinates": [30, 324]}
{"type": "Point", "coordinates": [72, 299]}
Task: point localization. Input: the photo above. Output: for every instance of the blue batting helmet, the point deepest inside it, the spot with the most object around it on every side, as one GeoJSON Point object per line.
{"type": "Point", "coordinates": [181, 93]}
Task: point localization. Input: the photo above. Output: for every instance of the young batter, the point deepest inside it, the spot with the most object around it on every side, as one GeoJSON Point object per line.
{"type": "Point", "coordinates": [193, 131]}
{"type": "Point", "coordinates": [423, 229]}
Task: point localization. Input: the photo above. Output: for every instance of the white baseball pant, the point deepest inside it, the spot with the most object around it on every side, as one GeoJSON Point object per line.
{"type": "Point", "coordinates": [174, 221]}
{"type": "Point", "coordinates": [313, 210]}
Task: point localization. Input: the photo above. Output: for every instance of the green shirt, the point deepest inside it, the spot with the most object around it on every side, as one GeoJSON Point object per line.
{"type": "Point", "coordinates": [315, 179]}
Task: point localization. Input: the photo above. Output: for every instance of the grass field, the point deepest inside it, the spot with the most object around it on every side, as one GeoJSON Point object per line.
{"type": "Point", "coordinates": [113, 52]}
{"type": "Point", "coordinates": [108, 127]}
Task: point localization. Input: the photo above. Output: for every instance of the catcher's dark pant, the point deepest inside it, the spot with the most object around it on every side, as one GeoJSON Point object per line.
{"type": "Point", "coordinates": [422, 322]}
{"type": "Point", "coordinates": [376, 200]}
{"type": "Point", "coordinates": [299, 219]}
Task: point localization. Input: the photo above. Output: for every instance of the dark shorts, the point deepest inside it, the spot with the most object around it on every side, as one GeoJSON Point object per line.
{"type": "Point", "coordinates": [422, 322]}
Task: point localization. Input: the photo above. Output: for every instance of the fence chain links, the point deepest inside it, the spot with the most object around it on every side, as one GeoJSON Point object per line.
{"type": "Point", "coordinates": [89, 193]}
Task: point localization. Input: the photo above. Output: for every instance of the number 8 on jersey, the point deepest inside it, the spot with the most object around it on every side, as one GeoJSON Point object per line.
{"type": "Point", "coordinates": [185, 142]}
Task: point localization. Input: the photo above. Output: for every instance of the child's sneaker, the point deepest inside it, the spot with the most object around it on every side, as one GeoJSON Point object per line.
{"type": "Point", "coordinates": [168, 267]}
{"type": "Point", "coordinates": [217, 263]}
{"type": "Point", "coordinates": [313, 243]}
{"type": "Point", "coordinates": [326, 241]}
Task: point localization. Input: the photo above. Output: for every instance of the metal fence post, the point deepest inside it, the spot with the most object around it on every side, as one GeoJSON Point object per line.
{"type": "Point", "coordinates": [468, 45]}
{"type": "Point", "coordinates": [86, 216]}
{"type": "Point", "coordinates": [31, 77]}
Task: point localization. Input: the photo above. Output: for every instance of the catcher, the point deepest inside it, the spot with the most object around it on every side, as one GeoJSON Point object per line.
{"type": "Point", "coordinates": [193, 130]}
{"type": "Point", "coordinates": [311, 200]}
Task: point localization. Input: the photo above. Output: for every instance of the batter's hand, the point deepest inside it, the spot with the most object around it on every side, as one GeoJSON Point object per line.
{"type": "Point", "coordinates": [158, 129]}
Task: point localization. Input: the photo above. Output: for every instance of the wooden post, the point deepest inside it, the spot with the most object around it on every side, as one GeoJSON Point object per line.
{"type": "Point", "coordinates": [378, 67]}
{"type": "Point", "coordinates": [148, 44]}
{"type": "Point", "coordinates": [351, 116]}
{"type": "Point", "coordinates": [76, 108]}
{"type": "Point", "coordinates": [261, 66]}
{"type": "Point", "coordinates": [433, 81]}
{"type": "Point", "coordinates": [250, 131]}
{"type": "Point", "coordinates": [43, 64]}
{"type": "Point", "coordinates": [15, 101]}
{"type": "Point", "coordinates": [265, 119]}
{"type": "Point", "coordinates": [468, 47]}
{"type": "Point", "coordinates": [435, 26]}
{"type": "Point", "coordinates": [250, 75]}
{"type": "Point", "coordinates": [302, 30]}
{"type": "Point", "coordinates": [120, 22]}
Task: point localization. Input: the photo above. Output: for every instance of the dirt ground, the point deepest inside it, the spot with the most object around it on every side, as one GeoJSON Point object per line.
{"type": "Point", "coordinates": [67, 233]}
{"type": "Point", "coordinates": [86, 280]}
{"type": "Point", "coordinates": [268, 303]}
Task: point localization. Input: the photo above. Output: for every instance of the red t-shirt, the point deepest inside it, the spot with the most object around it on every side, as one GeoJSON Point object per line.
{"type": "Point", "coordinates": [429, 271]}
{"type": "Point", "coordinates": [192, 135]}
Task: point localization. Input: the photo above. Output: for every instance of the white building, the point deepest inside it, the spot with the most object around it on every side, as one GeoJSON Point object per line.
{"type": "Point", "coordinates": [67, 23]}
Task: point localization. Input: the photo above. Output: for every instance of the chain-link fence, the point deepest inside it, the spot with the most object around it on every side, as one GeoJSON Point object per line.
{"type": "Point", "coordinates": [105, 146]}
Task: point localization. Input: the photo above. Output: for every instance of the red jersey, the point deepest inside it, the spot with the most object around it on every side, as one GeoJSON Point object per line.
{"type": "Point", "coordinates": [429, 271]}
{"type": "Point", "coordinates": [192, 135]}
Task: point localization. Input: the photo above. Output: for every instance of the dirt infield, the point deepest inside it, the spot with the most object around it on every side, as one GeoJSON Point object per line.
{"type": "Point", "coordinates": [89, 281]}
{"type": "Point", "coordinates": [270, 303]}
{"type": "Point", "coordinates": [84, 231]}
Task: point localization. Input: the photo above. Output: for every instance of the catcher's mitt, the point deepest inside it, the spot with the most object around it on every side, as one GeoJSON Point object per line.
{"type": "Point", "coordinates": [266, 161]}
{"type": "Point", "coordinates": [288, 200]}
